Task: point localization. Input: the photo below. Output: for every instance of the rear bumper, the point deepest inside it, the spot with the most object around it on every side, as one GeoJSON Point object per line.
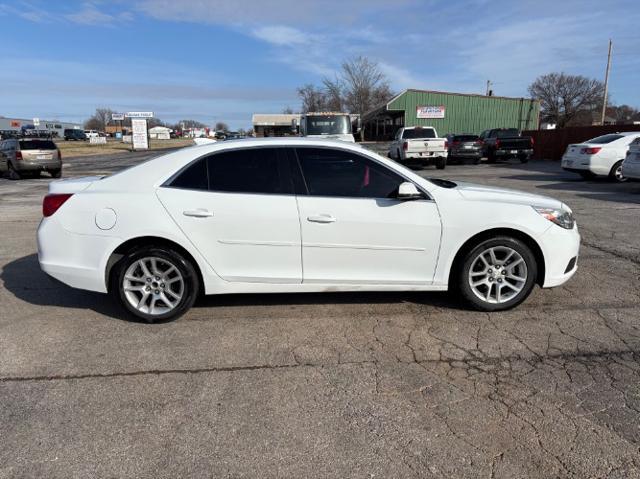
{"type": "Point", "coordinates": [37, 165]}
{"type": "Point", "coordinates": [465, 154]}
{"type": "Point", "coordinates": [513, 153]}
{"type": "Point", "coordinates": [561, 249]}
{"type": "Point", "coordinates": [580, 165]}
{"type": "Point", "coordinates": [74, 259]}
{"type": "Point", "coordinates": [425, 156]}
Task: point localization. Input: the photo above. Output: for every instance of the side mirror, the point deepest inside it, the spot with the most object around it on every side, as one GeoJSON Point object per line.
{"type": "Point", "coordinates": [408, 191]}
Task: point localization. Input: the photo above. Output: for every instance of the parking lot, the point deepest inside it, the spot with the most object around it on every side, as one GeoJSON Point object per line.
{"type": "Point", "coordinates": [317, 385]}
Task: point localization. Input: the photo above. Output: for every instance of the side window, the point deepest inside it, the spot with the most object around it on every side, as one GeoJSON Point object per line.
{"type": "Point", "coordinates": [334, 172]}
{"type": "Point", "coordinates": [253, 170]}
{"type": "Point", "coordinates": [193, 177]}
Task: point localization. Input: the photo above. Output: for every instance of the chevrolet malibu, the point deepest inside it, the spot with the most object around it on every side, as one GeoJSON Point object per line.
{"type": "Point", "coordinates": [297, 215]}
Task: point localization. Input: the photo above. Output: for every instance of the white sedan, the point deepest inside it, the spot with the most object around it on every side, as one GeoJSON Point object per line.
{"type": "Point", "coordinates": [600, 156]}
{"type": "Point", "coordinates": [297, 215]}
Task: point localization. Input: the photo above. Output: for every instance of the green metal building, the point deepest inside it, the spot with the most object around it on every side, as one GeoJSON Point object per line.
{"type": "Point", "coordinates": [449, 113]}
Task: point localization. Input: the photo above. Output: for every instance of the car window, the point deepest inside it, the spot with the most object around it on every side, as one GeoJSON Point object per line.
{"type": "Point", "coordinates": [419, 133]}
{"type": "Point", "coordinates": [334, 172]}
{"type": "Point", "coordinates": [193, 177]}
{"type": "Point", "coordinates": [506, 133]}
{"type": "Point", "coordinates": [37, 145]}
{"type": "Point", "coordinates": [465, 138]}
{"type": "Point", "coordinates": [604, 139]}
{"type": "Point", "coordinates": [251, 170]}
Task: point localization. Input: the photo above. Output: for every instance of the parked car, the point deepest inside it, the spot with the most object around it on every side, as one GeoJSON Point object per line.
{"type": "Point", "coordinates": [297, 215]}
{"type": "Point", "coordinates": [91, 133]}
{"type": "Point", "coordinates": [72, 134]}
{"type": "Point", "coordinates": [506, 143]}
{"type": "Point", "coordinates": [464, 147]}
{"type": "Point", "coordinates": [421, 145]}
{"type": "Point", "coordinates": [24, 156]}
{"type": "Point", "coordinates": [631, 163]}
{"type": "Point", "coordinates": [600, 156]}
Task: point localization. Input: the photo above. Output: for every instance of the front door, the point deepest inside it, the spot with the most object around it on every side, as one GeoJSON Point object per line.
{"type": "Point", "coordinates": [244, 219]}
{"type": "Point", "coordinates": [355, 231]}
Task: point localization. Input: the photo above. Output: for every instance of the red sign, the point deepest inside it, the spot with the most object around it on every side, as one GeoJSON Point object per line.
{"type": "Point", "coordinates": [15, 124]}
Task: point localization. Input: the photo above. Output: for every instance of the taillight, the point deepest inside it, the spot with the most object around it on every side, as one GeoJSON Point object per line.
{"type": "Point", "coordinates": [591, 150]}
{"type": "Point", "coordinates": [479, 142]}
{"type": "Point", "coordinates": [446, 144]}
{"type": "Point", "coordinates": [532, 142]}
{"type": "Point", "coordinates": [497, 143]}
{"type": "Point", "coordinates": [52, 203]}
{"type": "Point", "coordinates": [405, 146]}
{"type": "Point", "coordinates": [59, 155]}
{"type": "Point", "coordinates": [18, 155]}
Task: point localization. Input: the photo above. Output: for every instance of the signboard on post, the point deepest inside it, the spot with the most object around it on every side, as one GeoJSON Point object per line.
{"type": "Point", "coordinates": [139, 114]}
{"type": "Point", "coordinates": [36, 122]}
{"type": "Point", "coordinates": [430, 111]}
{"type": "Point", "coordinates": [139, 134]}
{"type": "Point", "coordinates": [117, 116]}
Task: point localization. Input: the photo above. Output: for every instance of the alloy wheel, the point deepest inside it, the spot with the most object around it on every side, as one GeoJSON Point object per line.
{"type": "Point", "coordinates": [498, 274]}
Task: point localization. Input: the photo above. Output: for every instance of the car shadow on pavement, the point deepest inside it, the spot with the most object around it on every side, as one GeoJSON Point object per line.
{"type": "Point", "coordinates": [27, 282]}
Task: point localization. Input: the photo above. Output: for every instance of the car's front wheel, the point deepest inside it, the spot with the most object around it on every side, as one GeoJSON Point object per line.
{"type": "Point", "coordinates": [155, 284]}
{"type": "Point", "coordinates": [497, 274]}
{"type": "Point", "coordinates": [616, 173]}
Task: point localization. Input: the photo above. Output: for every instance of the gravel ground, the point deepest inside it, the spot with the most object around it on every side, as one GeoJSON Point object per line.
{"type": "Point", "coordinates": [329, 385]}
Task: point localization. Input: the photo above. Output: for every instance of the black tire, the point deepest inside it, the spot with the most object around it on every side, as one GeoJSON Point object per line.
{"type": "Point", "coordinates": [477, 161]}
{"type": "Point", "coordinates": [491, 158]}
{"type": "Point", "coordinates": [441, 163]}
{"type": "Point", "coordinates": [56, 173]}
{"type": "Point", "coordinates": [524, 159]}
{"type": "Point", "coordinates": [13, 174]}
{"type": "Point", "coordinates": [399, 158]}
{"type": "Point", "coordinates": [185, 268]}
{"type": "Point", "coordinates": [616, 173]}
{"type": "Point", "coordinates": [587, 175]}
{"type": "Point", "coordinates": [460, 276]}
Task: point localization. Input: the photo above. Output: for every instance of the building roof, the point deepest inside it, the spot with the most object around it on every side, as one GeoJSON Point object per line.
{"type": "Point", "coordinates": [274, 119]}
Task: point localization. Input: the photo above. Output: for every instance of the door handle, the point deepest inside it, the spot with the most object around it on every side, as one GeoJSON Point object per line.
{"type": "Point", "coordinates": [321, 219]}
{"type": "Point", "coordinates": [199, 213]}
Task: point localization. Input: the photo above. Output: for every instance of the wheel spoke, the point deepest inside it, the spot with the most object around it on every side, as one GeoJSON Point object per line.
{"type": "Point", "coordinates": [134, 288]}
{"type": "Point", "coordinates": [130, 277]}
{"type": "Point", "coordinates": [171, 293]}
{"type": "Point", "coordinates": [143, 300]}
{"type": "Point", "coordinates": [516, 278]}
{"type": "Point", "coordinates": [492, 255]}
{"type": "Point", "coordinates": [144, 268]}
{"type": "Point", "coordinates": [154, 267]}
{"type": "Point", "coordinates": [165, 300]}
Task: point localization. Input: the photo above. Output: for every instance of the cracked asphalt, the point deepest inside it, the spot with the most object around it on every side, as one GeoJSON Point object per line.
{"type": "Point", "coordinates": [329, 385]}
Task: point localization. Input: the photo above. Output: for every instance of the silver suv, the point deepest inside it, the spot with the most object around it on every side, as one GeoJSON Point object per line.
{"type": "Point", "coordinates": [29, 156]}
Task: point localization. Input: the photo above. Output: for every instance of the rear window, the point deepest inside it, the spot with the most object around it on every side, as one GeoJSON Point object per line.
{"type": "Point", "coordinates": [418, 133]}
{"type": "Point", "coordinates": [37, 145]}
{"type": "Point", "coordinates": [601, 140]}
{"type": "Point", "coordinates": [465, 138]}
{"type": "Point", "coordinates": [507, 133]}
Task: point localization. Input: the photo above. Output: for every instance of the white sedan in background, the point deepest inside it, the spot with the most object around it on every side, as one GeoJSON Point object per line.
{"type": "Point", "coordinates": [631, 164]}
{"type": "Point", "coordinates": [297, 215]}
{"type": "Point", "coordinates": [600, 156]}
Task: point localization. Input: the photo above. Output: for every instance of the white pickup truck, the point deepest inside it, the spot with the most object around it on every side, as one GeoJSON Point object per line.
{"type": "Point", "coordinates": [418, 144]}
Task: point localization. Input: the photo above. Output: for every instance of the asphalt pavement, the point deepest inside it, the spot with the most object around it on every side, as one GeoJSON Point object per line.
{"type": "Point", "coordinates": [329, 385]}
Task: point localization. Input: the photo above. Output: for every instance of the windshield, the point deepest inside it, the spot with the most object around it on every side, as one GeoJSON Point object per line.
{"type": "Point", "coordinates": [601, 140]}
{"type": "Point", "coordinates": [418, 133]}
{"type": "Point", "coordinates": [37, 145]}
{"type": "Point", "coordinates": [465, 138]}
{"type": "Point", "coordinates": [328, 125]}
{"type": "Point", "coordinates": [508, 133]}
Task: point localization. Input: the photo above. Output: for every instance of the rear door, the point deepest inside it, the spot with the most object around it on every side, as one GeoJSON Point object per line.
{"type": "Point", "coordinates": [355, 231]}
{"type": "Point", "coordinates": [238, 209]}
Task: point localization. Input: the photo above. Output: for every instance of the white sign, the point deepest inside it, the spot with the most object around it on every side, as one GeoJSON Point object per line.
{"type": "Point", "coordinates": [430, 111]}
{"type": "Point", "coordinates": [117, 116]}
{"type": "Point", "coordinates": [98, 140]}
{"type": "Point", "coordinates": [36, 122]}
{"type": "Point", "coordinates": [139, 114]}
{"type": "Point", "coordinates": [139, 129]}
{"type": "Point", "coordinates": [126, 139]}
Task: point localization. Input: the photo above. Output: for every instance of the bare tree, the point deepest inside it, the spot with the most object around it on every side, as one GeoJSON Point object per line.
{"type": "Point", "coordinates": [221, 126]}
{"type": "Point", "coordinates": [333, 94]}
{"type": "Point", "coordinates": [190, 124]}
{"type": "Point", "coordinates": [566, 98]}
{"type": "Point", "coordinates": [313, 98]}
{"type": "Point", "coordinates": [364, 86]}
{"type": "Point", "coordinates": [287, 110]}
{"type": "Point", "coordinates": [99, 120]}
{"type": "Point", "coordinates": [623, 113]}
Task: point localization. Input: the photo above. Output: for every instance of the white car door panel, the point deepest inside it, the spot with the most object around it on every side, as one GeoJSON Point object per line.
{"type": "Point", "coordinates": [354, 231]}
{"type": "Point", "coordinates": [246, 237]}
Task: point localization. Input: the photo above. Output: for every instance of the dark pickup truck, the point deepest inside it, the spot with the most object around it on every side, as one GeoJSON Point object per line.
{"type": "Point", "coordinates": [505, 143]}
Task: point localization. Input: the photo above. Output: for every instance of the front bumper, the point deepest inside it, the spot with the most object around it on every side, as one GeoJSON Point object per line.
{"type": "Point", "coordinates": [560, 247]}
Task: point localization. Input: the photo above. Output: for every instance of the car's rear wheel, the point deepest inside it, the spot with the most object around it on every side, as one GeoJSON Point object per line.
{"type": "Point", "coordinates": [13, 174]}
{"type": "Point", "coordinates": [616, 173]}
{"type": "Point", "coordinates": [155, 284]}
{"type": "Point", "coordinates": [55, 173]}
{"type": "Point", "coordinates": [441, 163]}
{"type": "Point", "coordinates": [497, 274]}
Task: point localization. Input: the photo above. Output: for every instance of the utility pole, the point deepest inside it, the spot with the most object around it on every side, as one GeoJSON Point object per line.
{"type": "Point", "coordinates": [488, 88]}
{"type": "Point", "coordinates": [606, 85]}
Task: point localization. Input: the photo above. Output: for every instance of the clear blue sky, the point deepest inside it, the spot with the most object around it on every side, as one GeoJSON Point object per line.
{"type": "Point", "coordinates": [212, 60]}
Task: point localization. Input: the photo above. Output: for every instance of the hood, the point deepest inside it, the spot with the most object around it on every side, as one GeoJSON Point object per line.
{"type": "Point", "coordinates": [473, 192]}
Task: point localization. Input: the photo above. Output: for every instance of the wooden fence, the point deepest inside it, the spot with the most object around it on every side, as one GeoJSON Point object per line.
{"type": "Point", "coordinates": [551, 144]}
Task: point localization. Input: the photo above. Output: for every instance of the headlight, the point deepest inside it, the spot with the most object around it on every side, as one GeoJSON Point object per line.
{"type": "Point", "coordinates": [561, 217]}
